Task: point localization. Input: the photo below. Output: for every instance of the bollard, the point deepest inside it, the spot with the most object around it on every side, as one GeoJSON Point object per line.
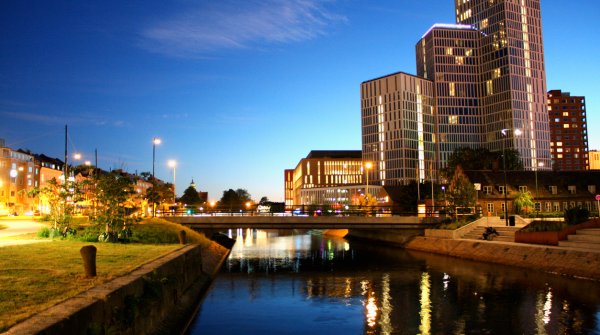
{"type": "Point", "coordinates": [88, 253]}
{"type": "Point", "coordinates": [182, 237]}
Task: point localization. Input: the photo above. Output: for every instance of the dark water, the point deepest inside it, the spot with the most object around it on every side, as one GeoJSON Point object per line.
{"type": "Point", "coordinates": [311, 284]}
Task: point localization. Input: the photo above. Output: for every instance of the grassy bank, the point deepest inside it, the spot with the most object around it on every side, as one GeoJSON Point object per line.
{"type": "Point", "coordinates": [37, 276]}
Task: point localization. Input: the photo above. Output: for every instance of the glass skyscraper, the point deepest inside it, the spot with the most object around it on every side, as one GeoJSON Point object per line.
{"type": "Point", "coordinates": [485, 87]}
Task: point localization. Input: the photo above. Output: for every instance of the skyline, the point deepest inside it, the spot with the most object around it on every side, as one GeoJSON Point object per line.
{"type": "Point", "coordinates": [252, 86]}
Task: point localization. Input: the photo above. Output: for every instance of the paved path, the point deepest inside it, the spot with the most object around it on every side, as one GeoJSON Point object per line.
{"type": "Point", "coordinates": [18, 227]}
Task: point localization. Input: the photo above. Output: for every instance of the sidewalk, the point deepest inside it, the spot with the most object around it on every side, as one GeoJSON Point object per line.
{"type": "Point", "coordinates": [18, 226]}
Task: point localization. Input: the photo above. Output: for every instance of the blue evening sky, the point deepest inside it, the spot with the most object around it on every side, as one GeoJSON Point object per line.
{"type": "Point", "coordinates": [237, 90]}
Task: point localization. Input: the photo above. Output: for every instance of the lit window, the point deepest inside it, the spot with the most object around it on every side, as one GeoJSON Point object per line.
{"type": "Point", "coordinates": [453, 119]}
{"type": "Point", "coordinates": [566, 125]}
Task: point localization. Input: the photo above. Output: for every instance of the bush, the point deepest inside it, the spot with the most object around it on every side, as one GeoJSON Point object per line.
{"type": "Point", "coordinates": [44, 232]}
{"type": "Point", "coordinates": [538, 226]}
{"type": "Point", "coordinates": [576, 215]}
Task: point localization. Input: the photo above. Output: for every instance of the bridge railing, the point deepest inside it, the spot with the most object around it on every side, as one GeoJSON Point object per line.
{"type": "Point", "coordinates": [309, 210]}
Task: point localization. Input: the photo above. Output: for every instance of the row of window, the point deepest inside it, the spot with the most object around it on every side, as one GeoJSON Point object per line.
{"type": "Point", "coordinates": [572, 189]}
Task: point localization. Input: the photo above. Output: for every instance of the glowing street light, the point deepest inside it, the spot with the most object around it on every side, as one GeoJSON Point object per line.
{"type": "Point", "coordinates": [173, 164]}
{"type": "Point", "coordinates": [77, 156]}
{"type": "Point", "coordinates": [504, 132]}
{"type": "Point", "coordinates": [155, 142]}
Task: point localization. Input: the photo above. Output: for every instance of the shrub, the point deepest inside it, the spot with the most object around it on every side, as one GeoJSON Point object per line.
{"type": "Point", "coordinates": [44, 232]}
{"type": "Point", "coordinates": [576, 215]}
{"type": "Point", "coordinates": [538, 226]}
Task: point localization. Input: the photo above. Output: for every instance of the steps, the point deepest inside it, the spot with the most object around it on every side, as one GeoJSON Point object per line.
{"type": "Point", "coordinates": [505, 234]}
{"type": "Point", "coordinates": [584, 239]}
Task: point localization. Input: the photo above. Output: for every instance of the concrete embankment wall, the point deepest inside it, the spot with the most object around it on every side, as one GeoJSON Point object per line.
{"type": "Point", "coordinates": [157, 298]}
{"type": "Point", "coordinates": [552, 259]}
{"type": "Point", "coordinates": [558, 260]}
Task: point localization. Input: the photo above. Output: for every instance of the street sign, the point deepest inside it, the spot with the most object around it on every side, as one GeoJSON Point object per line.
{"type": "Point", "coordinates": [598, 197]}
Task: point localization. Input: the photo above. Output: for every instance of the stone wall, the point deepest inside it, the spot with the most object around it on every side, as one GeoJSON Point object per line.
{"type": "Point", "coordinates": [157, 298]}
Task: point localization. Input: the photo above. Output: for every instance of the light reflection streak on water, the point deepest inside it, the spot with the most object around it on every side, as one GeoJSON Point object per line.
{"type": "Point", "coordinates": [543, 307]}
{"type": "Point", "coordinates": [425, 313]}
{"type": "Point", "coordinates": [370, 305]}
{"type": "Point", "coordinates": [386, 306]}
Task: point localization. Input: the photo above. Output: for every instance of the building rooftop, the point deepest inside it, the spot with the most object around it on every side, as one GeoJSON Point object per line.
{"type": "Point", "coordinates": [335, 154]}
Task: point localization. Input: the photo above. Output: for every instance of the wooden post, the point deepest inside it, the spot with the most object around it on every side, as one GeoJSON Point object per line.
{"type": "Point", "coordinates": [88, 253]}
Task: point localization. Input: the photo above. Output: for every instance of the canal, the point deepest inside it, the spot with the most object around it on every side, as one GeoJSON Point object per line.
{"type": "Point", "coordinates": [283, 282]}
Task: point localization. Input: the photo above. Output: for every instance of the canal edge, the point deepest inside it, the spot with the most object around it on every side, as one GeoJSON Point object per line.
{"type": "Point", "coordinates": [155, 296]}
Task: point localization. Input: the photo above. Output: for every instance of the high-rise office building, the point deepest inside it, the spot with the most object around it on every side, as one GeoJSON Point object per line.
{"type": "Point", "coordinates": [398, 128]}
{"type": "Point", "coordinates": [568, 128]}
{"type": "Point", "coordinates": [513, 76]}
{"type": "Point", "coordinates": [480, 83]}
{"type": "Point", "coordinates": [448, 55]}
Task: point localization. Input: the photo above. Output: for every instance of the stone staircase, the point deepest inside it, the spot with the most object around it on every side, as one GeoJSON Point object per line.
{"type": "Point", "coordinates": [584, 239]}
{"type": "Point", "coordinates": [505, 234]}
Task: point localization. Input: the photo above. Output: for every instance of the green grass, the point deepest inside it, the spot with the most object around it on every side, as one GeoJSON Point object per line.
{"type": "Point", "coordinates": [37, 276]}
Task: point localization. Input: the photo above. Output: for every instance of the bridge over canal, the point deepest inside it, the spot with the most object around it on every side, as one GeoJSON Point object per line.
{"type": "Point", "coordinates": [302, 222]}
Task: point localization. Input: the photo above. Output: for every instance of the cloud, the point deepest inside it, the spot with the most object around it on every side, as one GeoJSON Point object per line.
{"type": "Point", "coordinates": [56, 119]}
{"type": "Point", "coordinates": [239, 24]}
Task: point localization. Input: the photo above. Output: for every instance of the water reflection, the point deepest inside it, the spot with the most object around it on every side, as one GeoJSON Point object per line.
{"type": "Point", "coordinates": [305, 283]}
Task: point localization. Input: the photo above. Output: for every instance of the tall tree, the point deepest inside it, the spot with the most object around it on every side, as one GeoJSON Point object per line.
{"type": "Point", "coordinates": [234, 199]}
{"type": "Point", "coordinates": [190, 196]}
{"type": "Point", "coordinates": [462, 193]}
{"type": "Point", "coordinates": [113, 191]}
{"type": "Point", "coordinates": [481, 159]}
{"type": "Point", "coordinates": [159, 193]}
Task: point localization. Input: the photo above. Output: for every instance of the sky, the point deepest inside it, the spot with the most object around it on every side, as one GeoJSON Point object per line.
{"type": "Point", "coordinates": [237, 91]}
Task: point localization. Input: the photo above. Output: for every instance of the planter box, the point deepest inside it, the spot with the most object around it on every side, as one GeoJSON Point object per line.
{"type": "Point", "coordinates": [552, 237]}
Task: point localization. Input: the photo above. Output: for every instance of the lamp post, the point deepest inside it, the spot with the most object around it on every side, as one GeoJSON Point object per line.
{"type": "Point", "coordinates": [173, 164]}
{"type": "Point", "coordinates": [504, 132]}
{"type": "Point", "coordinates": [155, 141]}
{"type": "Point", "coordinates": [540, 164]}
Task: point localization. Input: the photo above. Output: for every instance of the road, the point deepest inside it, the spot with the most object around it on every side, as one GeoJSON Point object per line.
{"type": "Point", "coordinates": [18, 227]}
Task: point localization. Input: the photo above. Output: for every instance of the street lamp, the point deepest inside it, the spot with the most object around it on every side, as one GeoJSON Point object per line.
{"type": "Point", "coordinates": [368, 166]}
{"type": "Point", "coordinates": [155, 141]}
{"type": "Point", "coordinates": [173, 164]}
{"type": "Point", "coordinates": [540, 164]}
{"type": "Point", "coordinates": [504, 132]}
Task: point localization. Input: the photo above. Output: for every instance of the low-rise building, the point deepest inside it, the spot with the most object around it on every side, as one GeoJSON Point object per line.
{"type": "Point", "coordinates": [552, 191]}
{"type": "Point", "coordinates": [18, 176]}
{"type": "Point", "coordinates": [329, 177]}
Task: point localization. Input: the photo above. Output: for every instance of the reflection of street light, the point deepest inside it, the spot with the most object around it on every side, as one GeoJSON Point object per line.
{"type": "Point", "coordinates": [155, 141]}
{"type": "Point", "coordinates": [504, 132]}
{"type": "Point", "coordinates": [368, 166]}
{"type": "Point", "coordinates": [173, 164]}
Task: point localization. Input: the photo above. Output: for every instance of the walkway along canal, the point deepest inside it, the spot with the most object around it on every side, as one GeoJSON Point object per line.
{"type": "Point", "coordinates": [291, 282]}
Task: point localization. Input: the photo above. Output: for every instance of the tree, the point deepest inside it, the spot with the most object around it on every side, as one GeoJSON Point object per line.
{"type": "Point", "coordinates": [113, 191]}
{"type": "Point", "coordinates": [61, 199]}
{"type": "Point", "coordinates": [234, 199]}
{"type": "Point", "coordinates": [158, 193]}
{"type": "Point", "coordinates": [481, 159]}
{"type": "Point", "coordinates": [190, 196]}
{"type": "Point", "coordinates": [462, 193]}
{"type": "Point", "coordinates": [523, 202]}
{"type": "Point", "coordinates": [263, 200]}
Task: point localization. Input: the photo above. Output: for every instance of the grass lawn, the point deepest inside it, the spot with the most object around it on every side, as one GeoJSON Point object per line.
{"type": "Point", "coordinates": [37, 276]}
